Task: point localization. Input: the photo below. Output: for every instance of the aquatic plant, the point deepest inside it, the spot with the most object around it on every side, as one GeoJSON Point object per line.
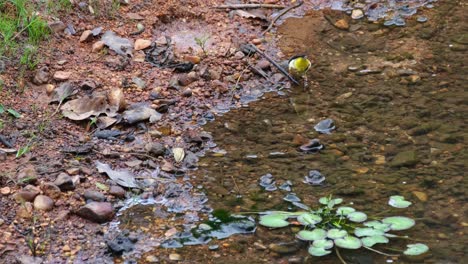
{"type": "Point", "coordinates": [344, 227]}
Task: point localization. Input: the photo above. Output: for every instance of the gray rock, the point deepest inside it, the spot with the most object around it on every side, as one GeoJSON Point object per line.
{"type": "Point", "coordinates": [94, 196]}
{"type": "Point", "coordinates": [26, 259]}
{"type": "Point", "coordinates": [51, 190]}
{"type": "Point", "coordinates": [156, 149]}
{"type": "Point", "coordinates": [117, 191]}
{"type": "Point", "coordinates": [285, 247]}
{"type": "Point", "coordinates": [43, 203]}
{"type": "Point", "coordinates": [27, 194]}
{"type": "Point", "coordinates": [404, 159]}
{"type": "Point", "coordinates": [42, 76]}
{"type": "Point", "coordinates": [64, 182]}
{"type": "Point", "coordinates": [57, 26]}
{"type": "Point", "coordinates": [99, 212]}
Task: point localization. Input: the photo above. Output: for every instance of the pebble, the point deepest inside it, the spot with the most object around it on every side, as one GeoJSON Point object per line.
{"type": "Point", "coordinates": [42, 76]}
{"type": "Point", "coordinates": [284, 247]}
{"type": "Point", "coordinates": [94, 196]}
{"type": "Point", "coordinates": [62, 75]}
{"type": "Point", "coordinates": [57, 26]}
{"type": "Point", "coordinates": [152, 259]}
{"type": "Point", "coordinates": [379, 159]}
{"type": "Point", "coordinates": [99, 212]}
{"type": "Point", "coordinates": [64, 182]}
{"type": "Point", "coordinates": [141, 44]}
{"type": "Point", "coordinates": [50, 89]}
{"type": "Point", "coordinates": [97, 46]}
{"type": "Point", "coordinates": [117, 191]}
{"type": "Point", "coordinates": [43, 203]}
{"type": "Point", "coordinates": [86, 36]}
{"type": "Point", "coordinates": [192, 58]}
{"type": "Point", "coordinates": [5, 190]}
{"type": "Point", "coordinates": [357, 14]}
{"type": "Point", "coordinates": [405, 158]}
{"type": "Point", "coordinates": [420, 195]}
{"type": "Point", "coordinates": [28, 194]}
{"type": "Point", "coordinates": [342, 24]}
{"type": "Point", "coordinates": [175, 257]}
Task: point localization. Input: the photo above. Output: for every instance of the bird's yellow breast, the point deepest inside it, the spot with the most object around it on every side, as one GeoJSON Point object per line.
{"type": "Point", "coordinates": [299, 64]}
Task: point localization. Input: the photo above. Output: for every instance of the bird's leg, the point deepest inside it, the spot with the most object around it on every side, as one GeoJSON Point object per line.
{"type": "Point", "coordinates": [305, 83]}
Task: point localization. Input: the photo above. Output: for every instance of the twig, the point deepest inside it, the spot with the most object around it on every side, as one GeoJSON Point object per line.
{"type": "Point", "coordinates": [281, 14]}
{"type": "Point", "coordinates": [283, 71]}
{"type": "Point", "coordinates": [339, 256]}
{"type": "Point", "coordinates": [380, 252]}
{"type": "Point", "coordinates": [249, 6]}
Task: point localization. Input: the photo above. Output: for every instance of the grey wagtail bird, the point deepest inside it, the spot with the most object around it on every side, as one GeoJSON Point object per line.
{"type": "Point", "coordinates": [298, 67]}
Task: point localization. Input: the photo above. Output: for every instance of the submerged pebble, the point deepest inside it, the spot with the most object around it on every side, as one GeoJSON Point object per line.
{"type": "Point", "coordinates": [268, 182]}
{"type": "Point", "coordinates": [313, 146]}
{"type": "Point", "coordinates": [314, 178]}
{"type": "Point", "coordinates": [286, 186]}
{"type": "Point", "coordinates": [291, 197]}
{"type": "Point", "coordinates": [421, 19]}
{"type": "Point", "coordinates": [325, 126]}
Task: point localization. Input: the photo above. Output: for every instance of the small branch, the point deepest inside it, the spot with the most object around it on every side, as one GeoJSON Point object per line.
{"type": "Point", "coordinates": [281, 14]}
{"type": "Point", "coordinates": [380, 252]}
{"type": "Point", "coordinates": [248, 6]}
{"type": "Point", "coordinates": [339, 256]}
{"type": "Point", "coordinates": [283, 71]}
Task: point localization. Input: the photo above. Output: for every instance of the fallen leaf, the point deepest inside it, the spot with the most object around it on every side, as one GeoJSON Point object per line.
{"type": "Point", "coordinates": [84, 107]}
{"type": "Point", "coordinates": [123, 177]}
{"type": "Point", "coordinates": [141, 112]}
{"type": "Point", "coordinates": [63, 92]}
{"type": "Point", "coordinates": [179, 154]}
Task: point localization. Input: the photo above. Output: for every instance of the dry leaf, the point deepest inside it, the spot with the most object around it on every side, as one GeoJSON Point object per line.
{"type": "Point", "coordinates": [179, 154]}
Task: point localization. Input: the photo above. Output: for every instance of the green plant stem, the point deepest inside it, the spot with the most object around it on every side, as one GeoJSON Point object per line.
{"type": "Point", "coordinates": [339, 256]}
{"type": "Point", "coordinates": [381, 253]}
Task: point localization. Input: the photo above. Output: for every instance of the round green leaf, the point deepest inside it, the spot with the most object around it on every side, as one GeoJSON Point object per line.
{"type": "Point", "coordinates": [367, 231]}
{"type": "Point", "coordinates": [345, 210]}
{"type": "Point", "coordinates": [398, 201]}
{"type": "Point", "coordinates": [323, 243]}
{"type": "Point", "coordinates": [372, 240]}
{"type": "Point", "coordinates": [357, 217]}
{"type": "Point", "coordinates": [416, 249]}
{"type": "Point", "coordinates": [378, 225]}
{"type": "Point", "coordinates": [324, 200]}
{"type": "Point", "coordinates": [309, 219]}
{"type": "Point", "coordinates": [399, 222]}
{"type": "Point", "coordinates": [318, 251]}
{"type": "Point", "coordinates": [336, 233]}
{"type": "Point", "coordinates": [348, 242]}
{"type": "Point", "coordinates": [316, 234]}
{"type": "Point", "coordinates": [274, 220]}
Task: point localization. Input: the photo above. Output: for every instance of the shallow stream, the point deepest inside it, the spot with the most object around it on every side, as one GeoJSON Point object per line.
{"type": "Point", "coordinates": [397, 96]}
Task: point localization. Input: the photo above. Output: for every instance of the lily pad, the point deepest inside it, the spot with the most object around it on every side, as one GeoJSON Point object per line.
{"type": "Point", "coordinates": [399, 222]}
{"type": "Point", "coordinates": [416, 249]}
{"type": "Point", "coordinates": [378, 225]}
{"type": "Point", "coordinates": [324, 200]}
{"type": "Point", "coordinates": [357, 217]}
{"type": "Point", "coordinates": [323, 243]}
{"type": "Point", "coordinates": [316, 234]}
{"type": "Point", "coordinates": [318, 251]}
{"type": "Point", "coordinates": [345, 210]}
{"type": "Point", "coordinates": [372, 240]}
{"type": "Point", "coordinates": [334, 202]}
{"type": "Point", "coordinates": [274, 220]}
{"type": "Point", "coordinates": [348, 242]}
{"type": "Point", "coordinates": [309, 219]}
{"type": "Point", "coordinates": [368, 231]}
{"type": "Point", "coordinates": [336, 233]}
{"type": "Point", "coordinates": [398, 201]}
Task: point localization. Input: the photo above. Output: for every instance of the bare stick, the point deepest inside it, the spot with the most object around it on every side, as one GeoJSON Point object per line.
{"type": "Point", "coordinates": [281, 14]}
{"type": "Point", "coordinates": [283, 71]}
{"type": "Point", "coordinates": [248, 6]}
